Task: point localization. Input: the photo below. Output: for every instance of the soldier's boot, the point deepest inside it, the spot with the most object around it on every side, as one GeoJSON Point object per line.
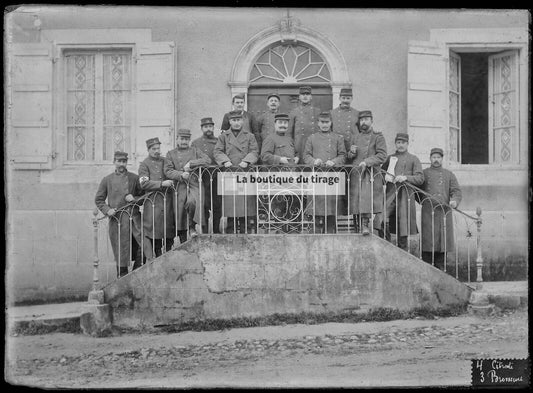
{"type": "Point", "coordinates": [365, 229]}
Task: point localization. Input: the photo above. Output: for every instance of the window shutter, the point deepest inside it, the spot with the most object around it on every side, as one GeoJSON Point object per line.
{"type": "Point", "coordinates": [426, 100]}
{"type": "Point", "coordinates": [30, 143]}
{"type": "Point", "coordinates": [503, 108]}
{"type": "Point", "coordinates": [155, 96]}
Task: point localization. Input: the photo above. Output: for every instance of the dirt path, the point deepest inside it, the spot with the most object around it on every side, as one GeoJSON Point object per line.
{"type": "Point", "coordinates": [396, 353]}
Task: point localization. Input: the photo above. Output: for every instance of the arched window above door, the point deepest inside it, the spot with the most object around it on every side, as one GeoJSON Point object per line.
{"type": "Point", "coordinates": [289, 64]}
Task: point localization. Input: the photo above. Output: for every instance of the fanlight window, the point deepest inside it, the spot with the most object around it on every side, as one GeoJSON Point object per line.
{"type": "Point", "coordinates": [290, 64]}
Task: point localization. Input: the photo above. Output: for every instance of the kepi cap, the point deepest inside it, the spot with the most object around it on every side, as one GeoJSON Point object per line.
{"type": "Point", "coordinates": [437, 150]}
{"type": "Point", "coordinates": [346, 92]}
{"type": "Point", "coordinates": [402, 136]}
{"type": "Point", "coordinates": [325, 115]}
{"type": "Point", "coordinates": [273, 95]}
{"type": "Point", "coordinates": [152, 141]}
{"type": "Point", "coordinates": [184, 132]}
{"type": "Point", "coordinates": [235, 115]}
{"type": "Point", "coordinates": [365, 114]}
{"type": "Point", "coordinates": [206, 120]}
{"type": "Point", "coordinates": [281, 116]}
{"type": "Point", "coordinates": [305, 89]}
{"type": "Point", "coordinates": [120, 155]}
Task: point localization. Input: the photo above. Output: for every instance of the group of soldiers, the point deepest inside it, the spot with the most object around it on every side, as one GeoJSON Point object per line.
{"type": "Point", "coordinates": [307, 136]}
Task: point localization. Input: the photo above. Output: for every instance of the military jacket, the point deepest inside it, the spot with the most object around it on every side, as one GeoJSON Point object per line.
{"type": "Point", "coordinates": [152, 168]}
{"type": "Point", "coordinates": [326, 146]}
{"type": "Point", "coordinates": [303, 122]}
{"type": "Point", "coordinates": [249, 122]}
{"type": "Point", "coordinates": [115, 187]}
{"type": "Point", "coordinates": [276, 146]}
{"type": "Point", "coordinates": [345, 123]}
{"type": "Point", "coordinates": [242, 147]}
{"type": "Point", "coordinates": [265, 125]}
{"type": "Point", "coordinates": [206, 145]}
{"type": "Point", "coordinates": [177, 158]}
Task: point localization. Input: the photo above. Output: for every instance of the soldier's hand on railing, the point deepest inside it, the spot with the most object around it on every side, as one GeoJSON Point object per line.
{"type": "Point", "coordinates": [330, 163]}
{"type": "Point", "coordinates": [353, 149]}
{"type": "Point", "coordinates": [111, 212]}
{"type": "Point", "coordinates": [389, 178]}
{"type": "Point", "coordinates": [400, 179]}
{"type": "Point", "coordinates": [227, 164]}
{"type": "Point", "coordinates": [129, 198]}
{"type": "Point", "coordinates": [185, 175]}
{"type": "Point", "coordinates": [362, 165]}
{"type": "Point", "coordinates": [283, 160]}
{"type": "Point", "coordinates": [317, 162]}
{"type": "Point", "coordinates": [243, 164]}
{"type": "Point", "coordinates": [166, 183]}
{"type": "Point", "coordinates": [143, 179]}
{"type": "Point", "coordinates": [296, 159]}
{"type": "Point", "coordinates": [187, 167]}
{"type": "Point", "coordinates": [453, 204]}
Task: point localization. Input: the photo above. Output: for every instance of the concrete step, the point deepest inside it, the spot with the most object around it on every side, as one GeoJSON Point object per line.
{"type": "Point", "coordinates": [45, 317]}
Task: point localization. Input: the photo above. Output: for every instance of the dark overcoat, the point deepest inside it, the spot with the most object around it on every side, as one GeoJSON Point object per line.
{"type": "Point", "coordinates": [403, 209]}
{"type": "Point", "coordinates": [265, 126]}
{"type": "Point", "coordinates": [276, 146]}
{"type": "Point", "coordinates": [345, 122]}
{"type": "Point", "coordinates": [303, 122]}
{"type": "Point", "coordinates": [114, 188]}
{"type": "Point", "coordinates": [326, 146]}
{"type": "Point", "coordinates": [187, 193]}
{"type": "Point", "coordinates": [372, 149]}
{"type": "Point", "coordinates": [437, 231]}
{"type": "Point", "coordinates": [158, 212]}
{"type": "Point", "coordinates": [249, 122]}
{"type": "Point", "coordinates": [235, 149]}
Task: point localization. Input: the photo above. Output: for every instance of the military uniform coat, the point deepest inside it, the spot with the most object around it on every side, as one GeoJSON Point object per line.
{"type": "Point", "coordinates": [276, 146]}
{"type": "Point", "coordinates": [188, 192]}
{"type": "Point", "coordinates": [303, 122]}
{"type": "Point", "coordinates": [443, 186]}
{"type": "Point", "coordinates": [409, 166]}
{"type": "Point", "coordinates": [345, 123]}
{"type": "Point", "coordinates": [158, 212]}
{"type": "Point", "coordinates": [326, 146]}
{"type": "Point", "coordinates": [212, 201]}
{"type": "Point", "coordinates": [265, 126]}
{"type": "Point", "coordinates": [235, 149]}
{"type": "Point", "coordinates": [372, 149]}
{"type": "Point", "coordinates": [114, 188]}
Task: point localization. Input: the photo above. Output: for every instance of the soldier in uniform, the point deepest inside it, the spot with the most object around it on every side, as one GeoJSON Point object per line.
{"type": "Point", "coordinates": [324, 149]}
{"type": "Point", "coordinates": [120, 188]}
{"type": "Point", "coordinates": [402, 168]}
{"type": "Point", "coordinates": [369, 151]}
{"type": "Point", "coordinates": [158, 215]}
{"type": "Point", "coordinates": [437, 221]}
{"type": "Point", "coordinates": [212, 201]}
{"type": "Point", "coordinates": [248, 119]}
{"type": "Point", "coordinates": [345, 119]}
{"type": "Point", "coordinates": [265, 121]}
{"type": "Point", "coordinates": [237, 146]}
{"type": "Point", "coordinates": [278, 147]}
{"type": "Point", "coordinates": [303, 120]}
{"type": "Point", "coordinates": [178, 167]}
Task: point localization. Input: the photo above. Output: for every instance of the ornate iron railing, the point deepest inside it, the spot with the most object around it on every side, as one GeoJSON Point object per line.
{"type": "Point", "coordinates": [272, 208]}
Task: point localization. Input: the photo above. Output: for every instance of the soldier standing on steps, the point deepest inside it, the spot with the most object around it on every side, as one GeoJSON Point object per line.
{"type": "Point", "coordinates": [179, 167]}
{"type": "Point", "coordinates": [403, 168]}
{"type": "Point", "coordinates": [368, 151]}
{"type": "Point", "coordinates": [119, 189]}
{"type": "Point", "coordinates": [437, 220]}
{"type": "Point", "coordinates": [158, 214]}
{"type": "Point", "coordinates": [303, 121]}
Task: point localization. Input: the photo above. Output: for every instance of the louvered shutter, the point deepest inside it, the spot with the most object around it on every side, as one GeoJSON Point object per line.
{"type": "Point", "coordinates": [426, 99]}
{"type": "Point", "coordinates": [155, 96]}
{"type": "Point", "coordinates": [29, 139]}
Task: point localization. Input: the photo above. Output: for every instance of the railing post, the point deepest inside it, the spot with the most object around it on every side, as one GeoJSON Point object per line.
{"type": "Point", "coordinates": [95, 295]}
{"type": "Point", "coordinates": [479, 259]}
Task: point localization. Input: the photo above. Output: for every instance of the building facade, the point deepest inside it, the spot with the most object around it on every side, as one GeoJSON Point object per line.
{"type": "Point", "coordinates": [82, 82]}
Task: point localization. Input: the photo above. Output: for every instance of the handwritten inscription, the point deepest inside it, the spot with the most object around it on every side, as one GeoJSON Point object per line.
{"type": "Point", "coordinates": [500, 372]}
